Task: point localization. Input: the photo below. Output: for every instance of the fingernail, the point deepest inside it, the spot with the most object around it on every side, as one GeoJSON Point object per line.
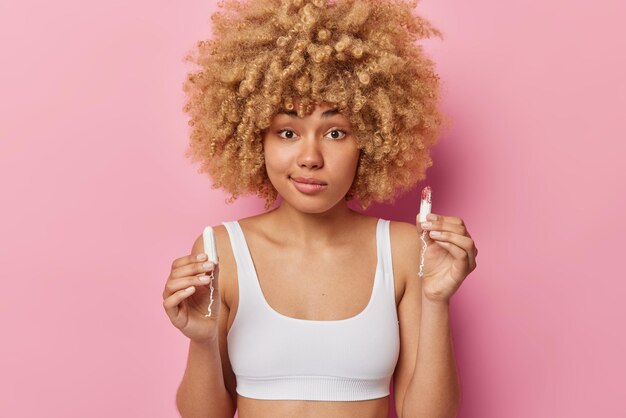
{"type": "Point", "coordinates": [201, 257]}
{"type": "Point", "coordinates": [431, 217]}
{"type": "Point", "coordinates": [426, 224]}
{"type": "Point", "coordinates": [207, 266]}
{"type": "Point", "coordinates": [204, 278]}
{"type": "Point", "coordinates": [435, 233]}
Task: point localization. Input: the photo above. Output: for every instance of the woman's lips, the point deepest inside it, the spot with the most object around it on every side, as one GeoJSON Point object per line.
{"type": "Point", "coordinates": [308, 188]}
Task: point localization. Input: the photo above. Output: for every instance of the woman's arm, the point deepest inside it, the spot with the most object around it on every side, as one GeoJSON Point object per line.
{"type": "Point", "coordinates": [434, 390]}
{"type": "Point", "coordinates": [202, 392]}
{"type": "Point", "coordinates": [426, 384]}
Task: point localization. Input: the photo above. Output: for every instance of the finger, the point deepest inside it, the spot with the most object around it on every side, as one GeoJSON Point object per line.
{"type": "Point", "coordinates": [450, 219]}
{"type": "Point", "coordinates": [459, 246]}
{"type": "Point", "coordinates": [454, 220]}
{"type": "Point", "coordinates": [428, 220]}
{"type": "Point", "coordinates": [432, 216]}
{"type": "Point", "coordinates": [457, 252]}
{"type": "Point", "coordinates": [198, 267]}
{"type": "Point", "coordinates": [176, 284]}
{"type": "Point", "coordinates": [444, 226]}
{"type": "Point", "coordinates": [437, 219]}
{"type": "Point", "coordinates": [462, 241]}
{"type": "Point", "coordinates": [188, 259]}
{"type": "Point", "coordinates": [171, 304]}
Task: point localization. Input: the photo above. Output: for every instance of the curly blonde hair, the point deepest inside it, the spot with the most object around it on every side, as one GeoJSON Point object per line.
{"type": "Point", "coordinates": [359, 55]}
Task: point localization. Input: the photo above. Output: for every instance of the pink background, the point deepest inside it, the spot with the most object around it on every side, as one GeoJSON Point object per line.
{"type": "Point", "coordinates": [98, 201]}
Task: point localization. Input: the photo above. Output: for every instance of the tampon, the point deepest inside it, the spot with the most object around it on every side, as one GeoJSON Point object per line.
{"type": "Point", "coordinates": [210, 248]}
{"type": "Point", "coordinates": [425, 207]}
{"type": "Point", "coordinates": [209, 244]}
{"type": "Point", "coordinates": [426, 203]}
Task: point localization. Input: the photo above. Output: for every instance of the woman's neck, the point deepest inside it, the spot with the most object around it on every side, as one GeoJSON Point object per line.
{"type": "Point", "coordinates": [313, 229]}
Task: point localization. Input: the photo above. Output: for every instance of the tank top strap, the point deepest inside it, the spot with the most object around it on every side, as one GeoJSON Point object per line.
{"type": "Point", "coordinates": [384, 248]}
{"type": "Point", "coordinates": [246, 276]}
{"type": "Point", "coordinates": [235, 242]}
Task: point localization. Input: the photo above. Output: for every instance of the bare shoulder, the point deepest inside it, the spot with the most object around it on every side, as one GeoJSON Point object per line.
{"type": "Point", "coordinates": [226, 259]}
{"type": "Point", "coordinates": [405, 250]}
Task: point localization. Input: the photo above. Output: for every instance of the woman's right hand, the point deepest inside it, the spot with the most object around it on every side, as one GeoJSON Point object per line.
{"type": "Point", "coordinates": [186, 297]}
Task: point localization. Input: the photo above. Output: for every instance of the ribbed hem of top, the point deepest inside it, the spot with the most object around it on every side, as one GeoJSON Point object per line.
{"type": "Point", "coordinates": [314, 388]}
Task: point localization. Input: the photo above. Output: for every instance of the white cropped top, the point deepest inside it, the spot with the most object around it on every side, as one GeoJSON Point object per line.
{"type": "Point", "coordinates": [274, 356]}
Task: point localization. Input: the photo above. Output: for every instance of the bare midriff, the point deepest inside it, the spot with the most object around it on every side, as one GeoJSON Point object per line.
{"type": "Point", "coordinates": [262, 408]}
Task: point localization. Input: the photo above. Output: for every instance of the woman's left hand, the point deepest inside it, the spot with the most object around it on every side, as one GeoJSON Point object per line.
{"type": "Point", "coordinates": [449, 258]}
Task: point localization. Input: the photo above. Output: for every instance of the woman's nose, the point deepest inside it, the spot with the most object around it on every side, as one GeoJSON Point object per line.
{"type": "Point", "coordinates": [310, 154]}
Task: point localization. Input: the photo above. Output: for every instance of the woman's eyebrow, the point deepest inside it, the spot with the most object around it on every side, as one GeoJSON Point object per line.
{"type": "Point", "coordinates": [293, 113]}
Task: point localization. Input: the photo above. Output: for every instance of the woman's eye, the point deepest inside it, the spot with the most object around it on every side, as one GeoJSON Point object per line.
{"type": "Point", "coordinates": [338, 130]}
{"type": "Point", "coordinates": [285, 130]}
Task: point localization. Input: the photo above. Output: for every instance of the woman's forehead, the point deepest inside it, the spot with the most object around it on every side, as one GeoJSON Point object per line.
{"type": "Point", "coordinates": [322, 110]}
{"type": "Point", "coordinates": [320, 115]}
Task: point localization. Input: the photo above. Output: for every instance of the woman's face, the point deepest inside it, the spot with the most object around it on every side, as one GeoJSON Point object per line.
{"type": "Point", "coordinates": [318, 148]}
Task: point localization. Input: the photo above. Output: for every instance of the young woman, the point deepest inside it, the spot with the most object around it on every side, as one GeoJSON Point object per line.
{"type": "Point", "coordinates": [317, 306]}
